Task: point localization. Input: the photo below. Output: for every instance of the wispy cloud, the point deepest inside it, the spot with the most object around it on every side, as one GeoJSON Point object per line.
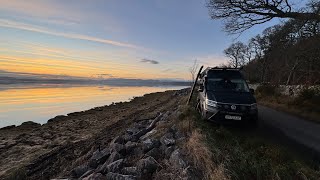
{"type": "Point", "coordinates": [150, 61]}
{"type": "Point", "coordinates": [28, 27]}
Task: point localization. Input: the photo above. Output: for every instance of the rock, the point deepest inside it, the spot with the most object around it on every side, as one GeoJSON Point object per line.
{"type": "Point", "coordinates": [79, 171]}
{"type": "Point", "coordinates": [168, 151]}
{"type": "Point", "coordinates": [301, 176]}
{"type": "Point", "coordinates": [168, 139]}
{"type": "Point", "coordinates": [176, 159]}
{"type": "Point", "coordinates": [132, 131]}
{"type": "Point", "coordinates": [118, 139]}
{"type": "Point", "coordinates": [112, 167]}
{"type": "Point", "coordinates": [30, 124]}
{"type": "Point", "coordinates": [155, 153]}
{"type": "Point", "coordinates": [116, 176]}
{"type": "Point", "coordinates": [146, 136]}
{"type": "Point", "coordinates": [8, 127]}
{"type": "Point", "coordinates": [89, 172]}
{"type": "Point", "coordinates": [115, 166]}
{"type": "Point", "coordinates": [130, 146]}
{"type": "Point", "coordinates": [149, 144]}
{"type": "Point", "coordinates": [138, 151]}
{"type": "Point", "coordinates": [173, 129]}
{"type": "Point", "coordinates": [127, 137]}
{"type": "Point", "coordinates": [96, 176]}
{"type": "Point", "coordinates": [115, 147]}
{"type": "Point", "coordinates": [113, 157]}
{"type": "Point", "coordinates": [99, 157]}
{"type": "Point", "coordinates": [130, 171]}
{"type": "Point", "coordinates": [179, 136]}
{"type": "Point", "coordinates": [148, 165]}
{"type": "Point", "coordinates": [57, 118]}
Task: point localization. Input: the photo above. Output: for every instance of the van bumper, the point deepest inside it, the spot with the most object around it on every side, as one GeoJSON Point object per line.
{"type": "Point", "coordinates": [219, 116]}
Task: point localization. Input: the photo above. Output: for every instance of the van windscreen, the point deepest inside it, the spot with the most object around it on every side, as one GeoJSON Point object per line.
{"type": "Point", "coordinates": [224, 74]}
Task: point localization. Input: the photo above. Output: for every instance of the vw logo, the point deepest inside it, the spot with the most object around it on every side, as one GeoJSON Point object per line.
{"type": "Point", "coordinates": [233, 107]}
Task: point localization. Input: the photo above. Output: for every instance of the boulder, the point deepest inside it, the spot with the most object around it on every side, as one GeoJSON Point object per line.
{"type": "Point", "coordinates": [138, 151]}
{"type": "Point", "coordinates": [115, 166]}
{"type": "Point", "coordinates": [119, 140]}
{"type": "Point", "coordinates": [89, 172]}
{"type": "Point", "coordinates": [116, 147]}
{"type": "Point", "coordinates": [127, 137]}
{"type": "Point", "coordinates": [30, 124]}
{"type": "Point", "coordinates": [95, 176]}
{"type": "Point", "coordinates": [146, 136]}
{"type": "Point", "coordinates": [168, 139]}
{"type": "Point", "coordinates": [179, 136]}
{"type": "Point", "coordinates": [132, 130]}
{"type": "Point", "coordinates": [130, 146]}
{"type": "Point", "coordinates": [57, 118]}
{"type": "Point", "coordinates": [176, 159]}
{"type": "Point", "coordinates": [130, 171]}
{"type": "Point", "coordinates": [79, 171]}
{"type": "Point", "coordinates": [173, 129]}
{"type": "Point", "coordinates": [113, 157]}
{"type": "Point", "coordinates": [149, 144]}
{"type": "Point", "coordinates": [155, 153]}
{"type": "Point", "coordinates": [168, 151]}
{"type": "Point", "coordinates": [116, 176]}
{"type": "Point", "coordinates": [148, 165]}
{"type": "Point", "coordinates": [99, 157]}
{"type": "Point", "coordinates": [8, 127]}
{"type": "Point", "coordinates": [112, 167]}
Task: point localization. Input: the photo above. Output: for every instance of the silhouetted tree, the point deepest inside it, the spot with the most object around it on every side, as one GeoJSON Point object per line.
{"type": "Point", "coordinates": [236, 52]}
{"type": "Point", "coordinates": [240, 15]}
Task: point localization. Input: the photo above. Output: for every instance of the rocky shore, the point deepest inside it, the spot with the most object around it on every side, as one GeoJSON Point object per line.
{"type": "Point", "coordinates": [142, 151]}
{"type": "Point", "coordinates": [131, 140]}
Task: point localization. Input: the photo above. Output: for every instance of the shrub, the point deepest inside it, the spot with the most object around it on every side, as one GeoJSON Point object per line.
{"type": "Point", "coordinates": [267, 90]}
{"type": "Point", "coordinates": [309, 95]}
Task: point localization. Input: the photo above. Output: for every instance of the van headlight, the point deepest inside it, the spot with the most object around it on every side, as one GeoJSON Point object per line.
{"type": "Point", "coordinates": [254, 106]}
{"type": "Point", "coordinates": [211, 103]}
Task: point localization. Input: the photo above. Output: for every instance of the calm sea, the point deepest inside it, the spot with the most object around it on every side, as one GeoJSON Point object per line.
{"type": "Point", "coordinates": [40, 103]}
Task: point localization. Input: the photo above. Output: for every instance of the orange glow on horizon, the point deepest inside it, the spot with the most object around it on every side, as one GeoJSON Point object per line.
{"type": "Point", "coordinates": [50, 66]}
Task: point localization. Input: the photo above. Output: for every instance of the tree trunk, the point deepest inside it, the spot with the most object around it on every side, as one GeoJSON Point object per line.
{"type": "Point", "coordinates": [291, 72]}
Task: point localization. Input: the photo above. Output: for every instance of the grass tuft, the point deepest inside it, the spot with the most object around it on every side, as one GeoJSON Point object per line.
{"type": "Point", "coordinates": [202, 157]}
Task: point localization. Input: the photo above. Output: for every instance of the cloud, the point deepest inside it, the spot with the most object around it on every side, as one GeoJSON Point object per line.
{"type": "Point", "coordinates": [150, 61]}
{"type": "Point", "coordinates": [39, 29]}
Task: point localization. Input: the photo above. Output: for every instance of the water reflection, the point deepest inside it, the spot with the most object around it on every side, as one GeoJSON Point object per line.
{"type": "Point", "coordinates": [41, 103]}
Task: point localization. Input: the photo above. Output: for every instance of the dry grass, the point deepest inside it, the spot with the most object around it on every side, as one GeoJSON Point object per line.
{"type": "Point", "coordinates": [202, 157]}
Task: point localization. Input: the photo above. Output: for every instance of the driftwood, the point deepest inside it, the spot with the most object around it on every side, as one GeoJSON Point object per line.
{"type": "Point", "coordinates": [194, 85]}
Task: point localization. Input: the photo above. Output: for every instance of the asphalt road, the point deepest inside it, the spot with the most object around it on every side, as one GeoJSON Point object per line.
{"type": "Point", "coordinates": [301, 131]}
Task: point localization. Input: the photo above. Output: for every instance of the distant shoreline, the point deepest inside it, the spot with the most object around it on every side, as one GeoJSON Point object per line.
{"type": "Point", "coordinates": [61, 117]}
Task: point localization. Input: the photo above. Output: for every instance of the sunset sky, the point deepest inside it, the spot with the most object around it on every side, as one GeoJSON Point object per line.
{"type": "Point", "coordinates": [144, 39]}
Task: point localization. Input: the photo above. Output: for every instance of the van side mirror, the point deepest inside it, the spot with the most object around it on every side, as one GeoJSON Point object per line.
{"type": "Point", "coordinates": [201, 87]}
{"type": "Point", "coordinates": [251, 91]}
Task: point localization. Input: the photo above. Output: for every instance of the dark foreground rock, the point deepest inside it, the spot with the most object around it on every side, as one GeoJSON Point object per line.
{"type": "Point", "coordinates": [128, 157]}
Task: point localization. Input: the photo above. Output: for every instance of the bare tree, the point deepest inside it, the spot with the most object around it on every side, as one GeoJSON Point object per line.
{"type": "Point", "coordinates": [236, 53]}
{"type": "Point", "coordinates": [194, 70]}
{"type": "Point", "coordinates": [240, 15]}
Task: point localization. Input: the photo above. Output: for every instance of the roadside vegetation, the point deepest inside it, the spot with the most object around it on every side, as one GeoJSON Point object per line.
{"type": "Point", "coordinates": [305, 104]}
{"type": "Point", "coordinates": [225, 152]}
